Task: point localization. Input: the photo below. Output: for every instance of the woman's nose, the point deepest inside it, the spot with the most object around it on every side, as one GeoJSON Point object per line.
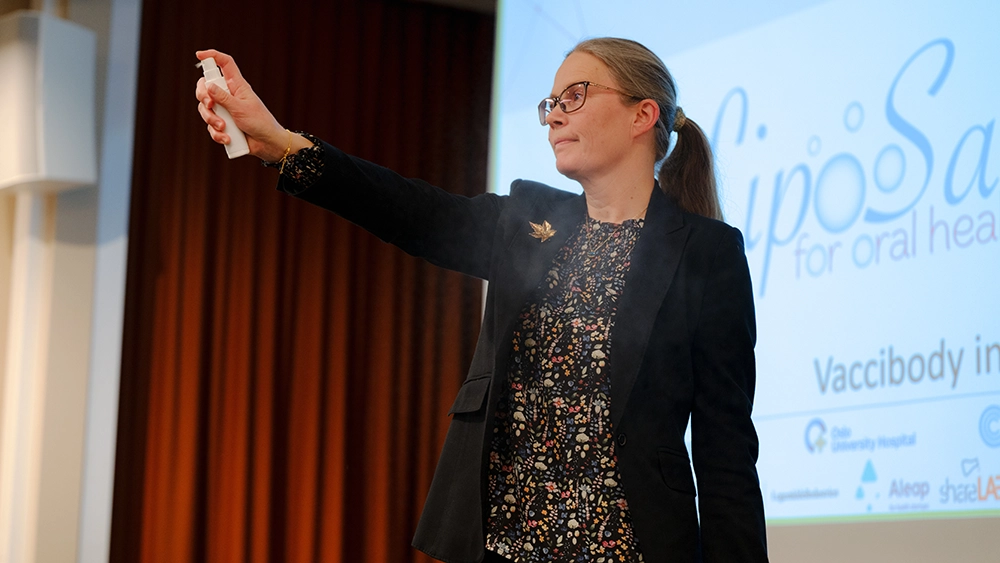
{"type": "Point", "coordinates": [555, 117]}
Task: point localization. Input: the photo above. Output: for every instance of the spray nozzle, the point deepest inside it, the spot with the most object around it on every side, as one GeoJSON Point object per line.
{"type": "Point", "coordinates": [210, 68]}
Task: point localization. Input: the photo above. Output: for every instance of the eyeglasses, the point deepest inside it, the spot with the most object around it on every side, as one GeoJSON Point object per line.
{"type": "Point", "coordinates": [572, 98]}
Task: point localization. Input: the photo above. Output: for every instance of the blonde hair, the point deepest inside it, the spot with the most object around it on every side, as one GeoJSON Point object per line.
{"type": "Point", "coordinates": [688, 174]}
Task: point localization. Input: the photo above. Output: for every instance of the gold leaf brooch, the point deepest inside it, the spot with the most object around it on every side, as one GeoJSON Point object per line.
{"type": "Point", "coordinates": [542, 232]}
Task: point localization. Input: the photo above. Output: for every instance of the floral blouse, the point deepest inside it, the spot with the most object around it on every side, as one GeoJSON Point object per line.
{"type": "Point", "coordinates": [554, 488]}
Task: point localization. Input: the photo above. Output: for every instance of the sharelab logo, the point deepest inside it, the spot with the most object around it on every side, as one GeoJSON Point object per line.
{"type": "Point", "coordinates": [815, 436]}
{"type": "Point", "coordinates": [989, 426]}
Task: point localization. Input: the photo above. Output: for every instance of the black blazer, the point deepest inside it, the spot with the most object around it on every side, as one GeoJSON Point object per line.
{"type": "Point", "coordinates": [683, 346]}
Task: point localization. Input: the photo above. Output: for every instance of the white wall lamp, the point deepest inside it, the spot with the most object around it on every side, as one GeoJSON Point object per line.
{"type": "Point", "coordinates": [47, 103]}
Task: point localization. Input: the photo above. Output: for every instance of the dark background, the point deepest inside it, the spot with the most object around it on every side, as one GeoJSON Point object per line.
{"type": "Point", "coordinates": [285, 375]}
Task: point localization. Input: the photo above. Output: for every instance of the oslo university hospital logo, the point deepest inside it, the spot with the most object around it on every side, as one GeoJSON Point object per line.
{"type": "Point", "coordinates": [815, 436]}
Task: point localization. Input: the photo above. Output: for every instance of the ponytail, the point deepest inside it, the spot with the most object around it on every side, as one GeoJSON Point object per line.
{"type": "Point", "coordinates": [688, 174]}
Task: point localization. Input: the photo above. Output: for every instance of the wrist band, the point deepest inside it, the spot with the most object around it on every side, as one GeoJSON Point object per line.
{"type": "Point", "coordinates": [288, 149]}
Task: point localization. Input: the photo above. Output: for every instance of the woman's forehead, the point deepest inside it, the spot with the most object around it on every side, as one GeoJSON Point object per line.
{"type": "Point", "coordinates": [580, 67]}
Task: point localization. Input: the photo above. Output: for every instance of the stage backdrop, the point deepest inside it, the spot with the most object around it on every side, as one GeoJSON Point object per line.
{"type": "Point", "coordinates": [286, 376]}
{"type": "Point", "coordinates": [858, 152]}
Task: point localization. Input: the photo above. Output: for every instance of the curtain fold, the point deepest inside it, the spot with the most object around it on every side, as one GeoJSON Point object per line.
{"type": "Point", "coordinates": [285, 375]}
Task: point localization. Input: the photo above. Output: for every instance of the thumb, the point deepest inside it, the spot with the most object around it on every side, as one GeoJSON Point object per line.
{"type": "Point", "coordinates": [219, 95]}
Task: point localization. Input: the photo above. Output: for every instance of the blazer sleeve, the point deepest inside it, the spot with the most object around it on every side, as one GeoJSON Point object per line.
{"type": "Point", "coordinates": [724, 442]}
{"type": "Point", "coordinates": [449, 230]}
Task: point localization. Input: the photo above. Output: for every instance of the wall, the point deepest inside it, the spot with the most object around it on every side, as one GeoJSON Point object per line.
{"type": "Point", "coordinates": [62, 270]}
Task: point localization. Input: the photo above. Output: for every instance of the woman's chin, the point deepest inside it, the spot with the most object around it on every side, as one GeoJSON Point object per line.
{"type": "Point", "coordinates": [567, 169]}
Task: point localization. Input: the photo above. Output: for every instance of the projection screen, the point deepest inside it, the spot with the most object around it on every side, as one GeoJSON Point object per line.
{"type": "Point", "coordinates": [857, 151]}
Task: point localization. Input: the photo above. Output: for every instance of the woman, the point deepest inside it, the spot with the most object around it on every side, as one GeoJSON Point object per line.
{"type": "Point", "coordinates": [611, 318]}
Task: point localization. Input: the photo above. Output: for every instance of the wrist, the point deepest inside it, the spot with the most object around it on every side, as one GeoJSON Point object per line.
{"type": "Point", "coordinates": [281, 144]}
{"type": "Point", "coordinates": [272, 147]}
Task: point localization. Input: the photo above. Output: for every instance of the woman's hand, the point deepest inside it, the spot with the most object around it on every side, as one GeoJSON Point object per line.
{"type": "Point", "coordinates": [266, 138]}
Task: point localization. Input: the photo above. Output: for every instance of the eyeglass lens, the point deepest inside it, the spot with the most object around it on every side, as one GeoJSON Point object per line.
{"type": "Point", "coordinates": [570, 100]}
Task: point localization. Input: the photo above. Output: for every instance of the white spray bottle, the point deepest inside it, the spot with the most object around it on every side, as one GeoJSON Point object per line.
{"type": "Point", "coordinates": [237, 140]}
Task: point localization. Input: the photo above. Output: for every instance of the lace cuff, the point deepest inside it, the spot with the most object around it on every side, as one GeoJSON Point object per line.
{"type": "Point", "coordinates": [304, 167]}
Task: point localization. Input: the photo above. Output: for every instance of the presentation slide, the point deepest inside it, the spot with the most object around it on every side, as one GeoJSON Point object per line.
{"type": "Point", "coordinates": [858, 152]}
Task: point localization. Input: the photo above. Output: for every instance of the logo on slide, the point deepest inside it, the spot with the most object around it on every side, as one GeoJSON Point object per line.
{"type": "Point", "coordinates": [815, 436]}
{"type": "Point", "coordinates": [969, 465]}
{"type": "Point", "coordinates": [989, 426]}
{"type": "Point", "coordinates": [868, 476]}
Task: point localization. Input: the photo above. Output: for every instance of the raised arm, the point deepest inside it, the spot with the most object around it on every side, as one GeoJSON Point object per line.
{"type": "Point", "coordinates": [448, 230]}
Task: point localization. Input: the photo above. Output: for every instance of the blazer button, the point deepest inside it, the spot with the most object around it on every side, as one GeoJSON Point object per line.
{"type": "Point", "coordinates": [622, 439]}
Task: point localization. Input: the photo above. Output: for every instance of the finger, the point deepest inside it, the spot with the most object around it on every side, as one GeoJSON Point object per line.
{"type": "Point", "coordinates": [206, 53]}
{"type": "Point", "coordinates": [201, 92]}
{"type": "Point", "coordinates": [218, 95]}
{"type": "Point", "coordinates": [211, 118]}
{"type": "Point", "coordinates": [225, 62]}
{"type": "Point", "coordinates": [217, 136]}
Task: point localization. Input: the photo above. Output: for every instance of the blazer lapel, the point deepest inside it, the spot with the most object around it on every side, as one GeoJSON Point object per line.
{"type": "Point", "coordinates": [528, 259]}
{"type": "Point", "coordinates": [655, 259]}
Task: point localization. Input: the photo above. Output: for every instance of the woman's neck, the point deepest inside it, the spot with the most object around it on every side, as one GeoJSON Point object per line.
{"type": "Point", "coordinates": [620, 196]}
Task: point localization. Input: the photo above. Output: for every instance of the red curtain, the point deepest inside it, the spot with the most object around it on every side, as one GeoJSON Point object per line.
{"type": "Point", "coordinates": [285, 375]}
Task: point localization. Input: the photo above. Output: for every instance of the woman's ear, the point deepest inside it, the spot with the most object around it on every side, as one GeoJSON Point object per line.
{"type": "Point", "coordinates": [645, 116]}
